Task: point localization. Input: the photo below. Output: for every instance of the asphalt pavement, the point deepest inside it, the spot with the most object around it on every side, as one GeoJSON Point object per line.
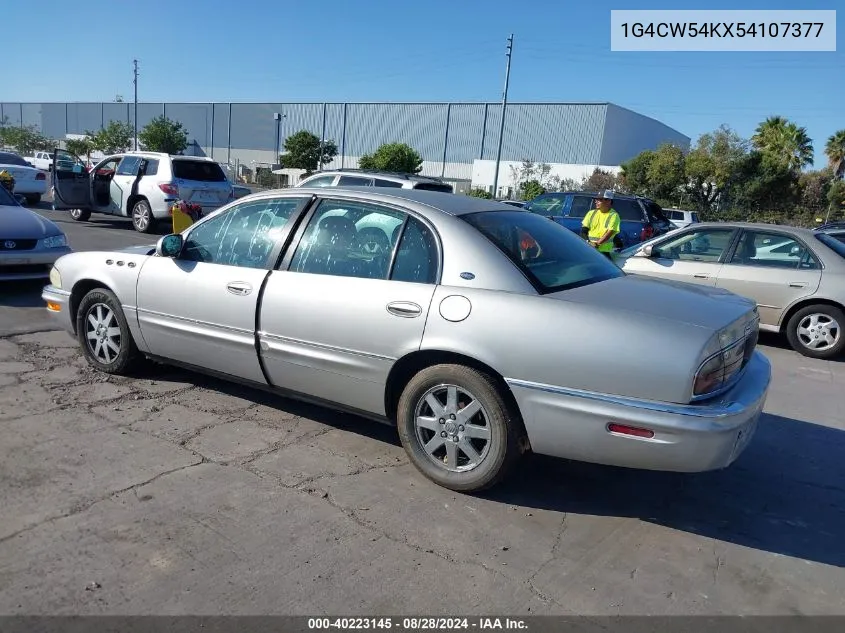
{"type": "Point", "coordinates": [171, 493]}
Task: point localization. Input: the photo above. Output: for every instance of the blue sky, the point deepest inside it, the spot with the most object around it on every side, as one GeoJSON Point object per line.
{"type": "Point", "coordinates": [379, 50]}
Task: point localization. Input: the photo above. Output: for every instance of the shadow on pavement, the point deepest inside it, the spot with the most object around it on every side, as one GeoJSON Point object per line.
{"type": "Point", "coordinates": [785, 494]}
{"type": "Point", "coordinates": [22, 294]}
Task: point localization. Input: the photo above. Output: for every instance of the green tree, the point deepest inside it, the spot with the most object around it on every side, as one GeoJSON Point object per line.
{"type": "Point", "coordinates": [635, 173]}
{"type": "Point", "coordinates": [835, 151]}
{"type": "Point", "coordinates": [814, 187]}
{"type": "Point", "coordinates": [765, 184]}
{"type": "Point", "coordinates": [24, 139]}
{"type": "Point", "coordinates": [164, 135]}
{"type": "Point", "coordinates": [530, 189]}
{"type": "Point", "coordinates": [784, 142]}
{"type": "Point", "coordinates": [480, 193]}
{"type": "Point", "coordinates": [836, 199]}
{"type": "Point", "coordinates": [80, 146]}
{"type": "Point", "coordinates": [115, 137]}
{"type": "Point", "coordinates": [396, 157]}
{"type": "Point", "coordinates": [666, 173]}
{"type": "Point", "coordinates": [302, 151]}
{"type": "Point", "coordinates": [599, 180]}
{"type": "Point", "coordinates": [713, 167]}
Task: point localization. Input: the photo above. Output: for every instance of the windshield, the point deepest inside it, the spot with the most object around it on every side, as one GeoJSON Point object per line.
{"type": "Point", "coordinates": [551, 256]}
{"type": "Point", "coordinates": [832, 243]}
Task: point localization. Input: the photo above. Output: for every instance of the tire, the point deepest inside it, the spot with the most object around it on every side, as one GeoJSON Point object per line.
{"type": "Point", "coordinates": [493, 456]}
{"type": "Point", "coordinates": [80, 215]}
{"type": "Point", "coordinates": [142, 217]}
{"type": "Point", "coordinates": [816, 331]}
{"type": "Point", "coordinates": [33, 199]}
{"type": "Point", "coordinates": [104, 335]}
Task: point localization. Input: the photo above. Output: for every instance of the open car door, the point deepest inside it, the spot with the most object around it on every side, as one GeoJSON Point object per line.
{"type": "Point", "coordinates": [71, 182]}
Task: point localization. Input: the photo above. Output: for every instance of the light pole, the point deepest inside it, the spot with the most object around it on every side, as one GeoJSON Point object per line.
{"type": "Point", "coordinates": [502, 123]}
{"type": "Point", "coordinates": [277, 116]}
{"type": "Point", "coordinates": [135, 81]}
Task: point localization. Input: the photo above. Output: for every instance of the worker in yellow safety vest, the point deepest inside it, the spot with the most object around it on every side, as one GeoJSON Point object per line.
{"type": "Point", "coordinates": [602, 224]}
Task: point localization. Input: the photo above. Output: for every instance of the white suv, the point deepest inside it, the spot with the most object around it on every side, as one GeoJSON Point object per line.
{"type": "Point", "coordinates": [681, 218]}
{"type": "Point", "coordinates": [138, 185]}
{"type": "Point", "coordinates": [372, 178]}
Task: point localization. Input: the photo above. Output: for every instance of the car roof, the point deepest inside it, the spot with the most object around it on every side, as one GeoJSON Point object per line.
{"type": "Point", "coordinates": [375, 172]}
{"type": "Point", "coordinates": [165, 155]}
{"type": "Point", "coordinates": [427, 202]}
{"type": "Point", "coordinates": [592, 194]}
{"type": "Point", "coordinates": [762, 226]}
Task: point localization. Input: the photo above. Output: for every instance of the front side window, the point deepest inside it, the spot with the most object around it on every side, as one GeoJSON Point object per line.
{"type": "Point", "coordinates": [695, 246]}
{"type": "Point", "coordinates": [354, 181]}
{"type": "Point", "coordinates": [771, 250]}
{"type": "Point", "coordinates": [243, 236]}
{"type": "Point", "coordinates": [547, 205]}
{"type": "Point", "coordinates": [348, 239]}
{"type": "Point", "coordinates": [551, 256]}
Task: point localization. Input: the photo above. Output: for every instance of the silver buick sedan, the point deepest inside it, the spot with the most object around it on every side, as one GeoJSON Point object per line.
{"type": "Point", "coordinates": [479, 330]}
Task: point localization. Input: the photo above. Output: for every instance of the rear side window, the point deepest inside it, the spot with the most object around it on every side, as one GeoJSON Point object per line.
{"type": "Point", "coordinates": [149, 167]}
{"type": "Point", "coordinates": [7, 158]}
{"type": "Point", "coordinates": [432, 186]}
{"type": "Point", "coordinates": [695, 217]}
{"type": "Point", "coordinates": [656, 214]}
{"type": "Point", "coordinates": [387, 183]}
{"type": "Point", "coordinates": [353, 181]}
{"type": "Point", "coordinates": [204, 171]}
{"type": "Point", "coordinates": [322, 181]}
{"type": "Point", "coordinates": [628, 210]}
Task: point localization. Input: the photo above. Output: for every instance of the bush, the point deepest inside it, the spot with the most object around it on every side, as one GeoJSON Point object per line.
{"type": "Point", "coordinates": [480, 193]}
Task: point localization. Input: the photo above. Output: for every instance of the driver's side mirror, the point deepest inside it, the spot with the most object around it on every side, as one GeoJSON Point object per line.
{"type": "Point", "coordinates": [170, 245]}
{"type": "Point", "coordinates": [649, 251]}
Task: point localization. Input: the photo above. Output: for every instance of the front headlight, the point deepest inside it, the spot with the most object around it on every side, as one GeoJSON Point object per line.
{"type": "Point", "coordinates": [55, 278]}
{"type": "Point", "coordinates": [55, 241]}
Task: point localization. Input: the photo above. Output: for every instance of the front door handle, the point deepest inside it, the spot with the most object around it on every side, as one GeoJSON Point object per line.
{"type": "Point", "coordinates": [404, 309]}
{"type": "Point", "coordinates": [797, 284]}
{"type": "Point", "coordinates": [702, 275]}
{"type": "Point", "coordinates": [240, 288]}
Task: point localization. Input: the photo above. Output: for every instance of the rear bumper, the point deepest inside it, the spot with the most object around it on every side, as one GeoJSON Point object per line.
{"type": "Point", "coordinates": [31, 187]}
{"type": "Point", "coordinates": [58, 306]}
{"type": "Point", "coordinates": [30, 264]}
{"type": "Point", "coordinates": [687, 438]}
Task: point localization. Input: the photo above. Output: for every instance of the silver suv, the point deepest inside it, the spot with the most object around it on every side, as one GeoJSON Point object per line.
{"type": "Point", "coordinates": [371, 178]}
{"type": "Point", "coordinates": [138, 185]}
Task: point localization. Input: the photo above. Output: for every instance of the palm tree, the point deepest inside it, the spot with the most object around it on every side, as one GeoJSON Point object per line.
{"type": "Point", "coordinates": [835, 150]}
{"type": "Point", "coordinates": [784, 141]}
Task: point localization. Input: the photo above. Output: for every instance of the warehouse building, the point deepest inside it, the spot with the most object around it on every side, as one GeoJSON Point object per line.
{"type": "Point", "coordinates": [458, 141]}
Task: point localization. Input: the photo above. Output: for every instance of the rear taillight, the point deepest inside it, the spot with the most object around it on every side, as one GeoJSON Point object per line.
{"type": "Point", "coordinates": [634, 431]}
{"type": "Point", "coordinates": [41, 176]}
{"type": "Point", "coordinates": [169, 188]}
{"type": "Point", "coordinates": [647, 233]}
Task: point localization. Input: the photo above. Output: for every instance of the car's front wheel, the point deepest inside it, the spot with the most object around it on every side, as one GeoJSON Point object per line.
{"type": "Point", "coordinates": [142, 217]}
{"type": "Point", "coordinates": [80, 215]}
{"type": "Point", "coordinates": [816, 331]}
{"type": "Point", "coordinates": [457, 427]}
{"type": "Point", "coordinates": [104, 335]}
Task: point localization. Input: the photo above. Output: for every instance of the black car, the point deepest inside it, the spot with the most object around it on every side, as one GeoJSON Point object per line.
{"type": "Point", "coordinates": [641, 218]}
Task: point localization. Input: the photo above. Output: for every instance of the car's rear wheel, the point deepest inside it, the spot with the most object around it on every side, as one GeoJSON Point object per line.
{"type": "Point", "coordinates": [457, 428]}
{"type": "Point", "coordinates": [142, 217]}
{"type": "Point", "coordinates": [80, 215]}
{"type": "Point", "coordinates": [104, 335]}
{"type": "Point", "coordinates": [816, 331]}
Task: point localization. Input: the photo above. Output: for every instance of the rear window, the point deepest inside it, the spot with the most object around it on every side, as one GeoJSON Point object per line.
{"type": "Point", "coordinates": [204, 171]}
{"type": "Point", "coordinates": [433, 186]}
{"type": "Point", "coordinates": [551, 256]}
{"type": "Point", "coordinates": [833, 243]}
{"type": "Point", "coordinates": [7, 158]}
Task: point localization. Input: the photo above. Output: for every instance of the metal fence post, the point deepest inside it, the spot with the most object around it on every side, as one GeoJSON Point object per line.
{"type": "Point", "coordinates": [322, 137]}
{"type": "Point", "coordinates": [483, 132]}
{"type": "Point", "coordinates": [21, 105]}
{"type": "Point", "coordinates": [343, 139]}
{"type": "Point", "coordinates": [446, 139]}
{"type": "Point", "coordinates": [211, 140]}
{"type": "Point", "coordinates": [229, 136]}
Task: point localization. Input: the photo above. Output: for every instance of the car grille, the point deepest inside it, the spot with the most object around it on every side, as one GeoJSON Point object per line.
{"type": "Point", "coordinates": [17, 245]}
{"type": "Point", "coordinates": [24, 269]}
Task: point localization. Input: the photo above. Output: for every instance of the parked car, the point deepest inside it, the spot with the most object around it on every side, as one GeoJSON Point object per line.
{"type": "Point", "coordinates": [41, 160]}
{"type": "Point", "coordinates": [513, 203]}
{"type": "Point", "coordinates": [137, 185]}
{"type": "Point", "coordinates": [837, 233]}
{"type": "Point", "coordinates": [30, 182]}
{"type": "Point", "coordinates": [681, 218]}
{"type": "Point", "coordinates": [372, 178]}
{"type": "Point", "coordinates": [240, 191]}
{"type": "Point", "coordinates": [29, 243]}
{"type": "Point", "coordinates": [641, 218]}
{"type": "Point", "coordinates": [796, 276]}
{"type": "Point", "coordinates": [480, 312]}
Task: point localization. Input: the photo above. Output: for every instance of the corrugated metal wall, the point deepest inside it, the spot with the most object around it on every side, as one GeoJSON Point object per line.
{"type": "Point", "coordinates": [457, 133]}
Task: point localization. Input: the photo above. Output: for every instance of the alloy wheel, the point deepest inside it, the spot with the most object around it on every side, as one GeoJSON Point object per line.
{"type": "Point", "coordinates": [452, 427]}
{"type": "Point", "coordinates": [141, 216]}
{"type": "Point", "coordinates": [102, 333]}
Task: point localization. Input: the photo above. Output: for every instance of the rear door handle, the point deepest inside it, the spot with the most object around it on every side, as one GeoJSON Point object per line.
{"type": "Point", "coordinates": [404, 309]}
{"type": "Point", "coordinates": [702, 275]}
{"type": "Point", "coordinates": [240, 288]}
{"type": "Point", "coordinates": [797, 284]}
